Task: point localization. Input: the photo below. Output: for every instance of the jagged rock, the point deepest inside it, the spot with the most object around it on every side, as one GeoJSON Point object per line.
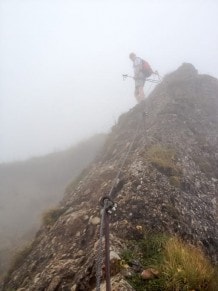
{"type": "Point", "coordinates": [117, 284]}
{"type": "Point", "coordinates": [54, 283]}
{"type": "Point", "coordinates": [127, 273]}
{"type": "Point", "coordinates": [95, 220]}
{"type": "Point", "coordinates": [114, 256]}
{"type": "Point", "coordinates": [185, 72]}
{"type": "Point", "coordinates": [136, 266]}
{"type": "Point", "coordinates": [168, 184]}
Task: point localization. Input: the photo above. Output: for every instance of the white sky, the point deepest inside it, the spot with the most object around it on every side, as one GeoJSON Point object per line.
{"type": "Point", "coordinates": [61, 63]}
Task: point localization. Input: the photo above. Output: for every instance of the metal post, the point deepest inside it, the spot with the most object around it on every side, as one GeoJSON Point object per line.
{"type": "Point", "coordinates": [107, 252]}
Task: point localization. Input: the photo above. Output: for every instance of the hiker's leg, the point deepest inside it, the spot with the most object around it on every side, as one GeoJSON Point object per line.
{"type": "Point", "coordinates": [136, 93]}
{"type": "Point", "coordinates": [141, 93]}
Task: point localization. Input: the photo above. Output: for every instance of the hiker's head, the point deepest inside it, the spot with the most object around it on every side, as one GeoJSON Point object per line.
{"type": "Point", "coordinates": [132, 56]}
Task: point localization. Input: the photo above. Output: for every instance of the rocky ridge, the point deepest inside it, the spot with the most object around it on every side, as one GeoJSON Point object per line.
{"type": "Point", "coordinates": [169, 184]}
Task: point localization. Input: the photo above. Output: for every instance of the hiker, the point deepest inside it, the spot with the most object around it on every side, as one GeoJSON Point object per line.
{"type": "Point", "coordinates": [142, 70]}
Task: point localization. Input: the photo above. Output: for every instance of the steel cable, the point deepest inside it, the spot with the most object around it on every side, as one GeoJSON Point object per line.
{"type": "Point", "coordinates": [103, 213]}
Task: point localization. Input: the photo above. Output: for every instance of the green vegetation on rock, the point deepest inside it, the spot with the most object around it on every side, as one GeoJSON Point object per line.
{"type": "Point", "coordinates": [185, 267]}
{"type": "Point", "coordinates": [180, 266]}
{"type": "Point", "coordinates": [163, 159]}
{"type": "Point", "coordinates": [149, 253]}
{"type": "Point", "coordinates": [51, 215]}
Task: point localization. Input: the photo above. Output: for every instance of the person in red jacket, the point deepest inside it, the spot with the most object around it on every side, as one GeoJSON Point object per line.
{"type": "Point", "coordinates": [142, 70]}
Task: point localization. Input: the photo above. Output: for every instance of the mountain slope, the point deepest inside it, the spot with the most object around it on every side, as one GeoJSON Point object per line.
{"type": "Point", "coordinates": [29, 187]}
{"type": "Point", "coordinates": [168, 184]}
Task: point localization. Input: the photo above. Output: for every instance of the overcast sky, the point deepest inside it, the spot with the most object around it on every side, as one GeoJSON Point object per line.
{"type": "Point", "coordinates": [61, 63]}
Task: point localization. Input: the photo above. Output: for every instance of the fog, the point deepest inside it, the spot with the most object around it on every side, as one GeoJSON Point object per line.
{"type": "Point", "coordinates": [61, 63]}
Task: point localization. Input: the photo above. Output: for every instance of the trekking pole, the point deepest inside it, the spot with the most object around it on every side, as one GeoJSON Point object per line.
{"type": "Point", "coordinates": [127, 76]}
{"type": "Point", "coordinates": [147, 80]}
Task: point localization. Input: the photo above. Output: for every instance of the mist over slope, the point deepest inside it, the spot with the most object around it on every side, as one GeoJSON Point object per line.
{"type": "Point", "coordinates": [169, 184]}
{"type": "Point", "coordinates": [30, 187]}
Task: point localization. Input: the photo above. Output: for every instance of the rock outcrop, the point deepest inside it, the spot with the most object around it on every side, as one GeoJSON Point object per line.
{"type": "Point", "coordinates": [169, 183]}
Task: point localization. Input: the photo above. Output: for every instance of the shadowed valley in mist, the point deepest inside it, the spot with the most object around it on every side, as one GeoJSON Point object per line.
{"type": "Point", "coordinates": [30, 187]}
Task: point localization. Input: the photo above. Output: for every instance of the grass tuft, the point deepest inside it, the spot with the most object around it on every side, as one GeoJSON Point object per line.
{"type": "Point", "coordinates": [185, 267]}
{"type": "Point", "coordinates": [51, 215]}
{"type": "Point", "coordinates": [163, 159]}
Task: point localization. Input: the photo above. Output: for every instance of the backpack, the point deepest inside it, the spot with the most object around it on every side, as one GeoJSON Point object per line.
{"type": "Point", "coordinates": [146, 69]}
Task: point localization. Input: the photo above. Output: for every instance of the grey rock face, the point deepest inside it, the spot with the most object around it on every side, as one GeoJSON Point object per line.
{"type": "Point", "coordinates": [169, 183]}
